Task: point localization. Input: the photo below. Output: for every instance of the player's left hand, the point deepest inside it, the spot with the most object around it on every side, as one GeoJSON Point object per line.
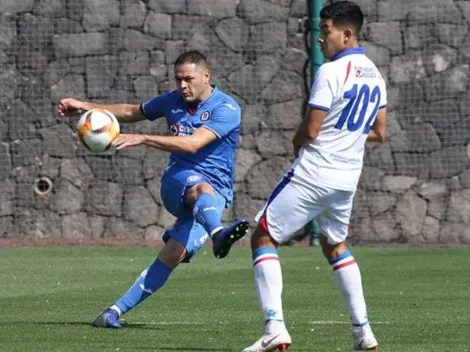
{"type": "Point", "coordinates": [128, 140]}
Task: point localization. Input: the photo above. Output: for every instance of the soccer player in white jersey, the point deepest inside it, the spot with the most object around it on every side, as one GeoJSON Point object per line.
{"type": "Point", "coordinates": [347, 108]}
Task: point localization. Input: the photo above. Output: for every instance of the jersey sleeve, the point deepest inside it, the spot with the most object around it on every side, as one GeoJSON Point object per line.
{"type": "Point", "coordinates": [322, 93]}
{"type": "Point", "coordinates": [224, 119]}
{"type": "Point", "coordinates": [383, 94]}
{"type": "Point", "coordinates": [154, 108]}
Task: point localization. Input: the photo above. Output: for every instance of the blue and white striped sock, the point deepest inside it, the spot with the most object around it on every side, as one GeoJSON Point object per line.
{"type": "Point", "coordinates": [348, 278]}
{"type": "Point", "coordinates": [149, 281]}
{"type": "Point", "coordinates": [268, 281]}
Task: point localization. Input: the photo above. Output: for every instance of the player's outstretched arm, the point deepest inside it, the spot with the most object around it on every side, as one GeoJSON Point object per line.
{"type": "Point", "coordinates": [125, 113]}
{"type": "Point", "coordinates": [309, 128]}
{"type": "Point", "coordinates": [379, 128]}
{"type": "Point", "coordinates": [224, 119]}
{"type": "Point", "coordinates": [182, 144]}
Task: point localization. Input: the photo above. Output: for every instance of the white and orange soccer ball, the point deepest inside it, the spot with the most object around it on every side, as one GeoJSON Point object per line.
{"type": "Point", "coordinates": [97, 129]}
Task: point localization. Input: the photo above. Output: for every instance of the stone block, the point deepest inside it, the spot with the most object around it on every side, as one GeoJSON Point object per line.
{"type": "Point", "coordinates": [379, 33]}
{"type": "Point", "coordinates": [59, 141]}
{"type": "Point", "coordinates": [245, 160]}
{"type": "Point", "coordinates": [76, 226]}
{"type": "Point", "coordinates": [380, 202]}
{"type": "Point", "coordinates": [139, 206]}
{"type": "Point", "coordinates": [448, 162]}
{"type": "Point", "coordinates": [81, 44]}
{"type": "Point", "coordinates": [5, 161]}
{"type": "Point", "coordinates": [104, 198]}
{"type": "Point", "coordinates": [32, 223]}
{"type": "Point", "coordinates": [100, 74]}
{"type": "Point", "coordinates": [213, 8]}
{"type": "Point", "coordinates": [398, 184]}
{"type": "Point", "coordinates": [168, 6]}
{"type": "Point", "coordinates": [100, 15]}
{"type": "Point", "coordinates": [446, 85]}
{"type": "Point", "coordinates": [136, 63]}
{"type": "Point", "coordinates": [133, 14]}
{"type": "Point", "coordinates": [67, 198]}
{"type": "Point", "coordinates": [158, 25]}
{"type": "Point", "coordinates": [25, 152]}
{"type": "Point", "coordinates": [264, 176]}
{"type": "Point", "coordinates": [259, 11]}
{"type": "Point", "coordinates": [233, 32]}
{"type": "Point", "coordinates": [14, 6]}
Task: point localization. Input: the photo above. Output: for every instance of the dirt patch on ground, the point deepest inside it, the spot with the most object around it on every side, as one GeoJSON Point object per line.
{"type": "Point", "coordinates": [126, 242]}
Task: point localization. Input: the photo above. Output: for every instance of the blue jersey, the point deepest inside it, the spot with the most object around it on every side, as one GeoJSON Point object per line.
{"type": "Point", "coordinates": [220, 114]}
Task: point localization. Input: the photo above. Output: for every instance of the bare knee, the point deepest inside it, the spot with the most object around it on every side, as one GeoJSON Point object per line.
{"type": "Point", "coordinates": [193, 193]}
{"type": "Point", "coordinates": [262, 238]}
{"type": "Point", "coordinates": [172, 253]}
{"type": "Point", "coordinates": [332, 250]}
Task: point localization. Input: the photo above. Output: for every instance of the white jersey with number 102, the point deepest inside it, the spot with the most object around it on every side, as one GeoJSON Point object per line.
{"type": "Point", "coordinates": [351, 90]}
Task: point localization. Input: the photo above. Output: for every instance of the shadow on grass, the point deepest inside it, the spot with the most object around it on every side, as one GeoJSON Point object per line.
{"type": "Point", "coordinates": [182, 349]}
{"type": "Point", "coordinates": [79, 323]}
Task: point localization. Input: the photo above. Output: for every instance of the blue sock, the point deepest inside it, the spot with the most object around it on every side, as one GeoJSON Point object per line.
{"type": "Point", "coordinates": [147, 283]}
{"type": "Point", "coordinates": [206, 213]}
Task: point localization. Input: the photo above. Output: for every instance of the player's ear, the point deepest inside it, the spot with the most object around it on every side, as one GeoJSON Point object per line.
{"type": "Point", "coordinates": [347, 34]}
{"type": "Point", "coordinates": [207, 76]}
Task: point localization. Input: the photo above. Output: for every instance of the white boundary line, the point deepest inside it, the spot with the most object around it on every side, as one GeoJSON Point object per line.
{"type": "Point", "coordinates": [314, 322]}
{"type": "Point", "coordinates": [337, 322]}
{"type": "Point", "coordinates": [164, 323]}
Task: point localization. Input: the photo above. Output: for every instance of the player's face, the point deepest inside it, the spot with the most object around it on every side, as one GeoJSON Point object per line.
{"type": "Point", "coordinates": [332, 39]}
{"type": "Point", "coordinates": [192, 81]}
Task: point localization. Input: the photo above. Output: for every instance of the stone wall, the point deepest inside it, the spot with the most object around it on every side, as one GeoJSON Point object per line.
{"type": "Point", "coordinates": [415, 187]}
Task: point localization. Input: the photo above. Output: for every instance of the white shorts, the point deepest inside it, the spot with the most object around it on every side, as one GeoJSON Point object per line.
{"type": "Point", "coordinates": [293, 204]}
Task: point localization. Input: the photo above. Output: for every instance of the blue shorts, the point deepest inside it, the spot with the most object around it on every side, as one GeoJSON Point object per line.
{"type": "Point", "coordinates": [191, 234]}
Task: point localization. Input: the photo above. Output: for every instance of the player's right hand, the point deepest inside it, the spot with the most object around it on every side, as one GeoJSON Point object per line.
{"type": "Point", "coordinates": [70, 107]}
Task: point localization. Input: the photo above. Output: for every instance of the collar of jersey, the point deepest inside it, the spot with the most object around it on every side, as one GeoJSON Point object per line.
{"type": "Point", "coordinates": [214, 91]}
{"type": "Point", "coordinates": [349, 51]}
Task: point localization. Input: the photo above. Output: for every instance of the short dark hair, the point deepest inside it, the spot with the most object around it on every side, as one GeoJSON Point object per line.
{"type": "Point", "coordinates": [343, 13]}
{"type": "Point", "coordinates": [191, 57]}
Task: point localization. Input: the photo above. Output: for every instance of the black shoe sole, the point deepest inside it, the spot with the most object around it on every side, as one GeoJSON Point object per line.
{"type": "Point", "coordinates": [238, 233]}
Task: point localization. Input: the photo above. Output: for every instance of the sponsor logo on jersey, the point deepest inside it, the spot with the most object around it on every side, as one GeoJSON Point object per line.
{"type": "Point", "coordinates": [180, 130]}
{"type": "Point", "coordinates": [174, 130]}
{"type": "Point", "coordinates": [365, 72]}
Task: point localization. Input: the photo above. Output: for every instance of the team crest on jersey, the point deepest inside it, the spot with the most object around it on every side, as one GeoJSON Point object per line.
{"type": "Point", "coordinates": [205, 116]}
{"type": "Point", "coordinates": [174, 130]}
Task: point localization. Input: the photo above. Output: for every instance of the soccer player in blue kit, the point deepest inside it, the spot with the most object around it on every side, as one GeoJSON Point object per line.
{"type": "Point", "coordinates": [204, 125]}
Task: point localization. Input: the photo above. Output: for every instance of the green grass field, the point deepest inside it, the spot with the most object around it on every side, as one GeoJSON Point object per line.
{"type": "Point", "coordinates": [418, 299]}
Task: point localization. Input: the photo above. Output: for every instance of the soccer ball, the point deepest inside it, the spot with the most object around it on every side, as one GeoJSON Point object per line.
{"type": "Point", "coordinates": [97, 129]}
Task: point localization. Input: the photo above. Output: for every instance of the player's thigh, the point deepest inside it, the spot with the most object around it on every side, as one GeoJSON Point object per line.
{"type": "Point", "coordinates": [289, 208]}
{"type": "Point", "coordinates": [175, 182]}
{"type": "Point", "coordinates": [334, 223]}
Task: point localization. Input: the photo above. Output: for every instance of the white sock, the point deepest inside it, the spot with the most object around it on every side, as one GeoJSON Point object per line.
{"type": "Point", "coordinates": [348, 279]}
{"type": "Point", "coordinates": [116, 308]}
{"type": "Point", "coordinates": [217, 229]}
{"type": "Point", "coordinates": [268, 281]}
